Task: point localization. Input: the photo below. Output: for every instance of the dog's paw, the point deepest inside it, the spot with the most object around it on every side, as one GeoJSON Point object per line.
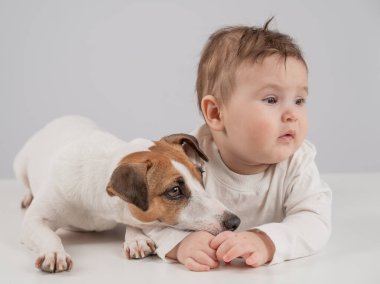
{"type": "Point", "coordinates": [139, 248]}
{"type": "Point", "coordinates": [54, 262]}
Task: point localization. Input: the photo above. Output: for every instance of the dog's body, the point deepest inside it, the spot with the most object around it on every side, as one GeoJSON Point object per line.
{"type": "Point", "coordinates": [80, 177]}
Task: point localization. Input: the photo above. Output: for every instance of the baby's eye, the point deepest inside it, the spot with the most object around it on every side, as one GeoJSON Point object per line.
{"type": "Point", "coordinates": [300, 101]}
{"type": "Point", "coordinates": [270, 100]}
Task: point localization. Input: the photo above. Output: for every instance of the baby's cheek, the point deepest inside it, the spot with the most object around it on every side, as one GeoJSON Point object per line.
{"type": "Point", "coordinates": [261, 130]}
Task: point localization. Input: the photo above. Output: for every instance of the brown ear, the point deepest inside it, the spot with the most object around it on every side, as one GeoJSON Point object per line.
{"type": "Point", "coordinates": [189, 144]}
{"type": "Point", "coordinates": [128, 182]}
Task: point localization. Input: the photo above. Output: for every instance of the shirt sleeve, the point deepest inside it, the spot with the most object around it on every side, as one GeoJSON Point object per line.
{"type": "Point", "coordinates": [165, 239]}
{"type": "Point", "coordinates": [306, 227]}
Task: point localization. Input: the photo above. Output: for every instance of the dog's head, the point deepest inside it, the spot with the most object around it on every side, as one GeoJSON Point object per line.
{"type": "Point", "coordinates": [165, 184]}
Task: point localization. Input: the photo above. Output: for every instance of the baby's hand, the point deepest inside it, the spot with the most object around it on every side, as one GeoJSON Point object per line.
{"type": "Point", "coordinates": [255, 247]}
{"type": "Point", "coordinates": [195, 252]}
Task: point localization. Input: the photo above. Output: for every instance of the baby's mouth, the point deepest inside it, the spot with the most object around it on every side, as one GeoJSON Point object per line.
{"type": "Point", "coordinates": [288, 136]}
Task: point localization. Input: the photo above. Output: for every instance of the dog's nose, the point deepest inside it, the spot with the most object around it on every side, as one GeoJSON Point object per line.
{"type": "Point", "coordinates": [231, 222]}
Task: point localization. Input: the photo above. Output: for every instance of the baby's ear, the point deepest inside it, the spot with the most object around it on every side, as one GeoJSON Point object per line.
{"type": "Point", "coordinates": [128, 181]}
{"type": "Point", "coordinates": [211, 110]}
{"type": "Point", "coordinates": [189, 145]}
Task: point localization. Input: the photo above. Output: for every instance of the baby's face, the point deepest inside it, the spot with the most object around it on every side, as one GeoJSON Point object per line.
{"type": "Point", "coordinates": [265, 119]}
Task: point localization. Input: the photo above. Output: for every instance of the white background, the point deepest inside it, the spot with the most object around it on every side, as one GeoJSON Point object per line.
{"type": "Point", "coordinates": [131, 66]}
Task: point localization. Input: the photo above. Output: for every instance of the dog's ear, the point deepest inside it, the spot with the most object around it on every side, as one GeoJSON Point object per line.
{"type": "Point", "coordinates": [128, 181]}
{"type": "Point", "coordinates": [189, 144]}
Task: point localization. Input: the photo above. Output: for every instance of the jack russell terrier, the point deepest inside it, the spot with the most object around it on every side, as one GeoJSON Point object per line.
{"type": "Point", "coordinates": [80, 177]}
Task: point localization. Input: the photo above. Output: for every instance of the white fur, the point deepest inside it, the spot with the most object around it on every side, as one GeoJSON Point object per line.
{"type": "Point", "coordinates": [202, 212]}
{"type": "Point", "coordinates": [66, 166]}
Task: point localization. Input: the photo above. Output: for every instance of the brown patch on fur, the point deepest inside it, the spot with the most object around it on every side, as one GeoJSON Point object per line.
{"type": "Point", "coordinates": [175, 152]}
{"type": "Point", "coordinates": [161, 177]}
{"type": "Point", "coordinates": [186, 141]}
{"type": "Point", "coordinates": [128, 181]}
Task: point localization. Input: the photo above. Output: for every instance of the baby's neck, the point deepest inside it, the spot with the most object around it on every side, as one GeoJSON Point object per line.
{"type": "Point", "coordinates": [242, 168]}
{"type": "Point", "coordinates": [251, 170]}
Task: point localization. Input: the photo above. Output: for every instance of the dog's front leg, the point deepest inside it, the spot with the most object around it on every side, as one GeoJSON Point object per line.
{"type": "Point", "coordinates": [39, 235]}
{"type": "Point", "coordinates": [137, 244]}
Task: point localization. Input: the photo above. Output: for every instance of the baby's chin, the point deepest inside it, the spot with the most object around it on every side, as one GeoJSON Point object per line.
{"type": "Point", "coordinates": [280, 156]}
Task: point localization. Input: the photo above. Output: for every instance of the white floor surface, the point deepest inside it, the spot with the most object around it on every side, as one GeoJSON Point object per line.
{"type": "Point", "coordinates": [351, 256]}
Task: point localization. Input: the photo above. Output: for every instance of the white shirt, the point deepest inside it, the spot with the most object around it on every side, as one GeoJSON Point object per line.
{"type": "Point", "coordinates": [288, 201]}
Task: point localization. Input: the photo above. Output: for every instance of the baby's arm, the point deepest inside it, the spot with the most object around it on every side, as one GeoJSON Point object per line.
{"type": "Point", "coordinates": [304, 230]}
{"type": "Point", "coordinates": [307, 223]}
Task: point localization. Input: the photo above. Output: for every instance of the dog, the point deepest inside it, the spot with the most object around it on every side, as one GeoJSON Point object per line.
{"type": "Point", "coordinates": [80, 177]}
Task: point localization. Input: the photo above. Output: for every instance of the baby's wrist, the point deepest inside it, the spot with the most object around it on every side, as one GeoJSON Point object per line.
{"type": "Point", "coordinates": [172, 254]}
{"type": "Point", "coordinates": [269, 245]}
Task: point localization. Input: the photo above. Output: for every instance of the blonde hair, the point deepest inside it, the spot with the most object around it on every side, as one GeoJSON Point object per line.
{"type": "Point", "coordinates": [229, 47]}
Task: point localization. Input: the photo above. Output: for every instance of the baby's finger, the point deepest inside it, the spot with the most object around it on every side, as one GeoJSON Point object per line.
{"type": "Point", "coordinates": [193, 265]}
{"type": "Point", "coordinates": [226, 246]}
{"type": "Point", "coordinates": [202, 258]}
{"type": "Point", "coordinates": [253, 260]}
{"type": "Point", "coordinates": [219, 239]}
{"type": "Point", "coordinates": [235, 251]}
{"type": "Point", "coordinates": [210, 252]}
{"type": "Point", "coordinates": [222, 250]}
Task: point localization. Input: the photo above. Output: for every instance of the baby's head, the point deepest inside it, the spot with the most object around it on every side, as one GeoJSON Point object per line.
{"type": "Point", "coordinates": [252, 86]}
{"type": "Point", "coordinates": [228, 48]}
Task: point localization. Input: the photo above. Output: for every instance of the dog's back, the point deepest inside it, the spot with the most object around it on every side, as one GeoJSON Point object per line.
{"type": "Point", "coordinates": [32, 161]}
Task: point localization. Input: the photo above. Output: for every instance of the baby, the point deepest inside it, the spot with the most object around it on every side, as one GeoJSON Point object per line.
{"type": "Point", "coordinates": [252, 89]}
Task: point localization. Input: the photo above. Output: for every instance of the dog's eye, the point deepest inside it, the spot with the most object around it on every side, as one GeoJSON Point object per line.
{"type": "Point", "coordinates": [201, 170]}
{"type": "Point", "coordinates": [174, 193]}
